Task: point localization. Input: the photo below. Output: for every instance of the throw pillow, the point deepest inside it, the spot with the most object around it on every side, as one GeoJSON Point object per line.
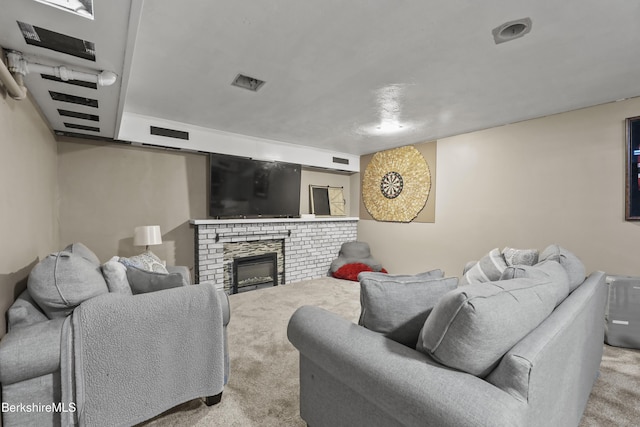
{"type": "Point", "coordinates": [398, 308]}
{"type": "Point", "coordinates": [546, 270]}
{"type": "Point", "coordinates": [146, 261]}
{"type": "Point", "coordinates": [143, 281]}
{"type": "Point", "coordinates": [431, 274]}
{"type": "Point", "coordinates": [351, 271]}
{"type": "Point", "coordinates": [571, 263]}
{"type": "Point", "coordinates": [62, 281]}
{"type": "Point", "coordinates": [115, 274]}
{"type": "Point", "coordinates": [472, 327]}
{"type": "Point", "coordinates": [489, 268]}
{"type": "Point", "coordinates": [520, 256]}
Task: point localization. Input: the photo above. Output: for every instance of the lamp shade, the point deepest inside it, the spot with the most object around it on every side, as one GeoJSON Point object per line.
{"type": "Point", "coordinates": [147, 235]}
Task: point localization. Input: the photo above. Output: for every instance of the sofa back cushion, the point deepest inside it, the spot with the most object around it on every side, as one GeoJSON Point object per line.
{"type": "Point", "coordinates": [63, 280]}
{"type": "Point", "coordinates": [571, 263]}
{"type": "Point", "coordinates": [547, 270]}
{"type": "Point", "coordinates": [472, 327]}
{"type": "Point", "coordinates": [398, 306]}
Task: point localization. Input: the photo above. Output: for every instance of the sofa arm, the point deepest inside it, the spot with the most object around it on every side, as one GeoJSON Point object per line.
{"type": "Point", "coordinates": [226, 308]}
{"type": "Point", "coordinates": [30, 352]}
{"type": "Point", "coordinates": [398, 380]}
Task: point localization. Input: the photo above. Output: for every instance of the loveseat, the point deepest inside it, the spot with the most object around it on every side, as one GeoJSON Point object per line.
{"type": "Point", "coordinates": [110, 344]}
{"type": "Point", "coordinates": [521, 346]}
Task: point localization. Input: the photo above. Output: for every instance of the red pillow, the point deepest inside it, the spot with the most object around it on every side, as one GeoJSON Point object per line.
{"type": "Point", "coordinates": [351, 271]}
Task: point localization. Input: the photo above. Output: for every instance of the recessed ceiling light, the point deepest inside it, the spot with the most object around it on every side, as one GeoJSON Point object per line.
{"type": "Point", "coordinates": [511, 30]}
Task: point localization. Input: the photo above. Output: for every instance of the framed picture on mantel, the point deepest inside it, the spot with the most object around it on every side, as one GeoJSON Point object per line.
{"type": "Point", "coordinates": [632, 211]}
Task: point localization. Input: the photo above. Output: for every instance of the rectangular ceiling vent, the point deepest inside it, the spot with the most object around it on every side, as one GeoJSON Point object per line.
{"type": "Point", "coordinates": [79, 115]}
{"type": "Point", "coordinates": [89, 85]}
{"type": "Point", "coordinates": [341, 160]}
{"type": "Point", "coordinates": [64, 97]}
{"type": "Point", "coordinates": [47, 39]}
{"type": "Point", "coordinates": [249, 83]}
{"type": "Point", "coordinates": [169, 133]}
{"type": "Point", "coordinates": [81, 127]}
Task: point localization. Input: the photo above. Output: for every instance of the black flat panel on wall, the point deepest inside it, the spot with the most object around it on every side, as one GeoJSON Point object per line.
{"type": "Point", "coordinates": [58, 42]}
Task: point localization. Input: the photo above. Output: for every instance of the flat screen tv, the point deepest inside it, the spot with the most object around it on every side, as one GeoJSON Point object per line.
{"type": "Point", "coordinates": [248, 188]}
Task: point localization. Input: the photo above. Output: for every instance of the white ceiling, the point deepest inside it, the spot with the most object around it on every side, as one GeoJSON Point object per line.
{"type": "Point", "coordinates": [335, 69]}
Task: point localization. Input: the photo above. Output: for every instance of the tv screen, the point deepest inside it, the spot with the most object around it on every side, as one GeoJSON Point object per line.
{"type": "Point", "coordinates": [242, 187]}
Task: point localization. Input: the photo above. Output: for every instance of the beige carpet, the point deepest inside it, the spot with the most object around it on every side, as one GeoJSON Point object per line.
{"type": "Point", "coordinates": [263, 385]}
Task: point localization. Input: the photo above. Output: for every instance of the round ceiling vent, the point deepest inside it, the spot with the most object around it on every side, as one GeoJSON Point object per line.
{"type": "Point", "coordinates": [511, 30]}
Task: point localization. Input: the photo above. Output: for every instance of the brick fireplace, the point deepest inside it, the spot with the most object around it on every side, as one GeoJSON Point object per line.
{"type": "Point", "coordinates": [304, 248]}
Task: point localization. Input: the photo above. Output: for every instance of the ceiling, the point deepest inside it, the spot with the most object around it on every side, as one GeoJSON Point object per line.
{"type": "Point", "coordinates": [351, 77]}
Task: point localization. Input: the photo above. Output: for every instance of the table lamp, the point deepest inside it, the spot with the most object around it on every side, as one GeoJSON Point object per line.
{"type": "Point", "coordinates": [147, 235]}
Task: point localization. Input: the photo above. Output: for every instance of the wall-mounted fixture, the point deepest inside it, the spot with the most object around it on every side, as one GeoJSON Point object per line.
{"type": "Point", "coordinates": [511, 30]}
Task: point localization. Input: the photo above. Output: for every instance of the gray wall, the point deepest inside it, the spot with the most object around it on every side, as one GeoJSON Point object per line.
{"type": "Point", "coordinates": [28, 196]}
{"type": "Point", "coordinates": [558, 179]}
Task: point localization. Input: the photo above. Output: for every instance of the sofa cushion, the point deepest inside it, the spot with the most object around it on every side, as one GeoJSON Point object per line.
{"type": "Point", "coordinates": [143, 281]}
{"type": "Point", "coordinates": [115, 274]}
{"type": "Point", "coordinates": [426, 275]}
{"type": "Point", "coordinates": [571, 263]}
{"type": "Point", "coordinates": [472, 327]}
{"type": "Point", "coordinates": [489, 268]}
{"type": "Point", "coordinates": [24, 312]}
{"type": "Point", "coordinates": [146, 261]}
{"type": "Point", "coordinates": [63, 280]}
{"type": "Point", "coordinates": [547, 270]}
{"type": "Point", "coordinates": [514, 256]}
{"type": "Point", "coordinates": [83, 251]}
{"type": "Point", "coordinates": [398, 307]}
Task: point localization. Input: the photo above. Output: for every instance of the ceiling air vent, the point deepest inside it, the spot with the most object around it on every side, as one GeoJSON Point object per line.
{"type": "Point", "coordinates": [249, 83]}
{"type": "Point", "coordinates": [79, 115]}
{"type": "Point", "coordinates": [63, 97]}
{"type": "Point", "coordinates": [169, 133]}
{"type": "Point", "coordinates": [90, 85]}
{"type": "Point", "coordinates": [81, 127]}
{"type": "Point", "coordinates": [341, 160]}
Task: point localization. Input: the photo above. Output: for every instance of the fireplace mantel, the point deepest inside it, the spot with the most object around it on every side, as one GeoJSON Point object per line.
{"type": "Point", "coordinates": [271, 220]}
{"type": "Point", "coordinates": [310, 244]}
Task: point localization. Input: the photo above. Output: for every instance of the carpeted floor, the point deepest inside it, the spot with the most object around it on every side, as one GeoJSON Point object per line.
{"type": "Point", "coordinates": [263, 384]}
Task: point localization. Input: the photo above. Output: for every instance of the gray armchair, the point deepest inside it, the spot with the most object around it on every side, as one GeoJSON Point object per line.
{"type": "Point", "coordinates": [116, 359]}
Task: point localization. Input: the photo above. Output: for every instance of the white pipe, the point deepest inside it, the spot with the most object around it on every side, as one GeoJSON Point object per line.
{"type": "Point", "coordinates": [19, 66]}
{"type": "Point", "coordinates": [105, 78]}
{"type": "Point", "coordinates": [16, 90]}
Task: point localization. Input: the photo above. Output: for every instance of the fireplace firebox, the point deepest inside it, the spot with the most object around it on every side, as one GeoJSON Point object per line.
{"type": "Point", "coordinates": [253, 272]}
